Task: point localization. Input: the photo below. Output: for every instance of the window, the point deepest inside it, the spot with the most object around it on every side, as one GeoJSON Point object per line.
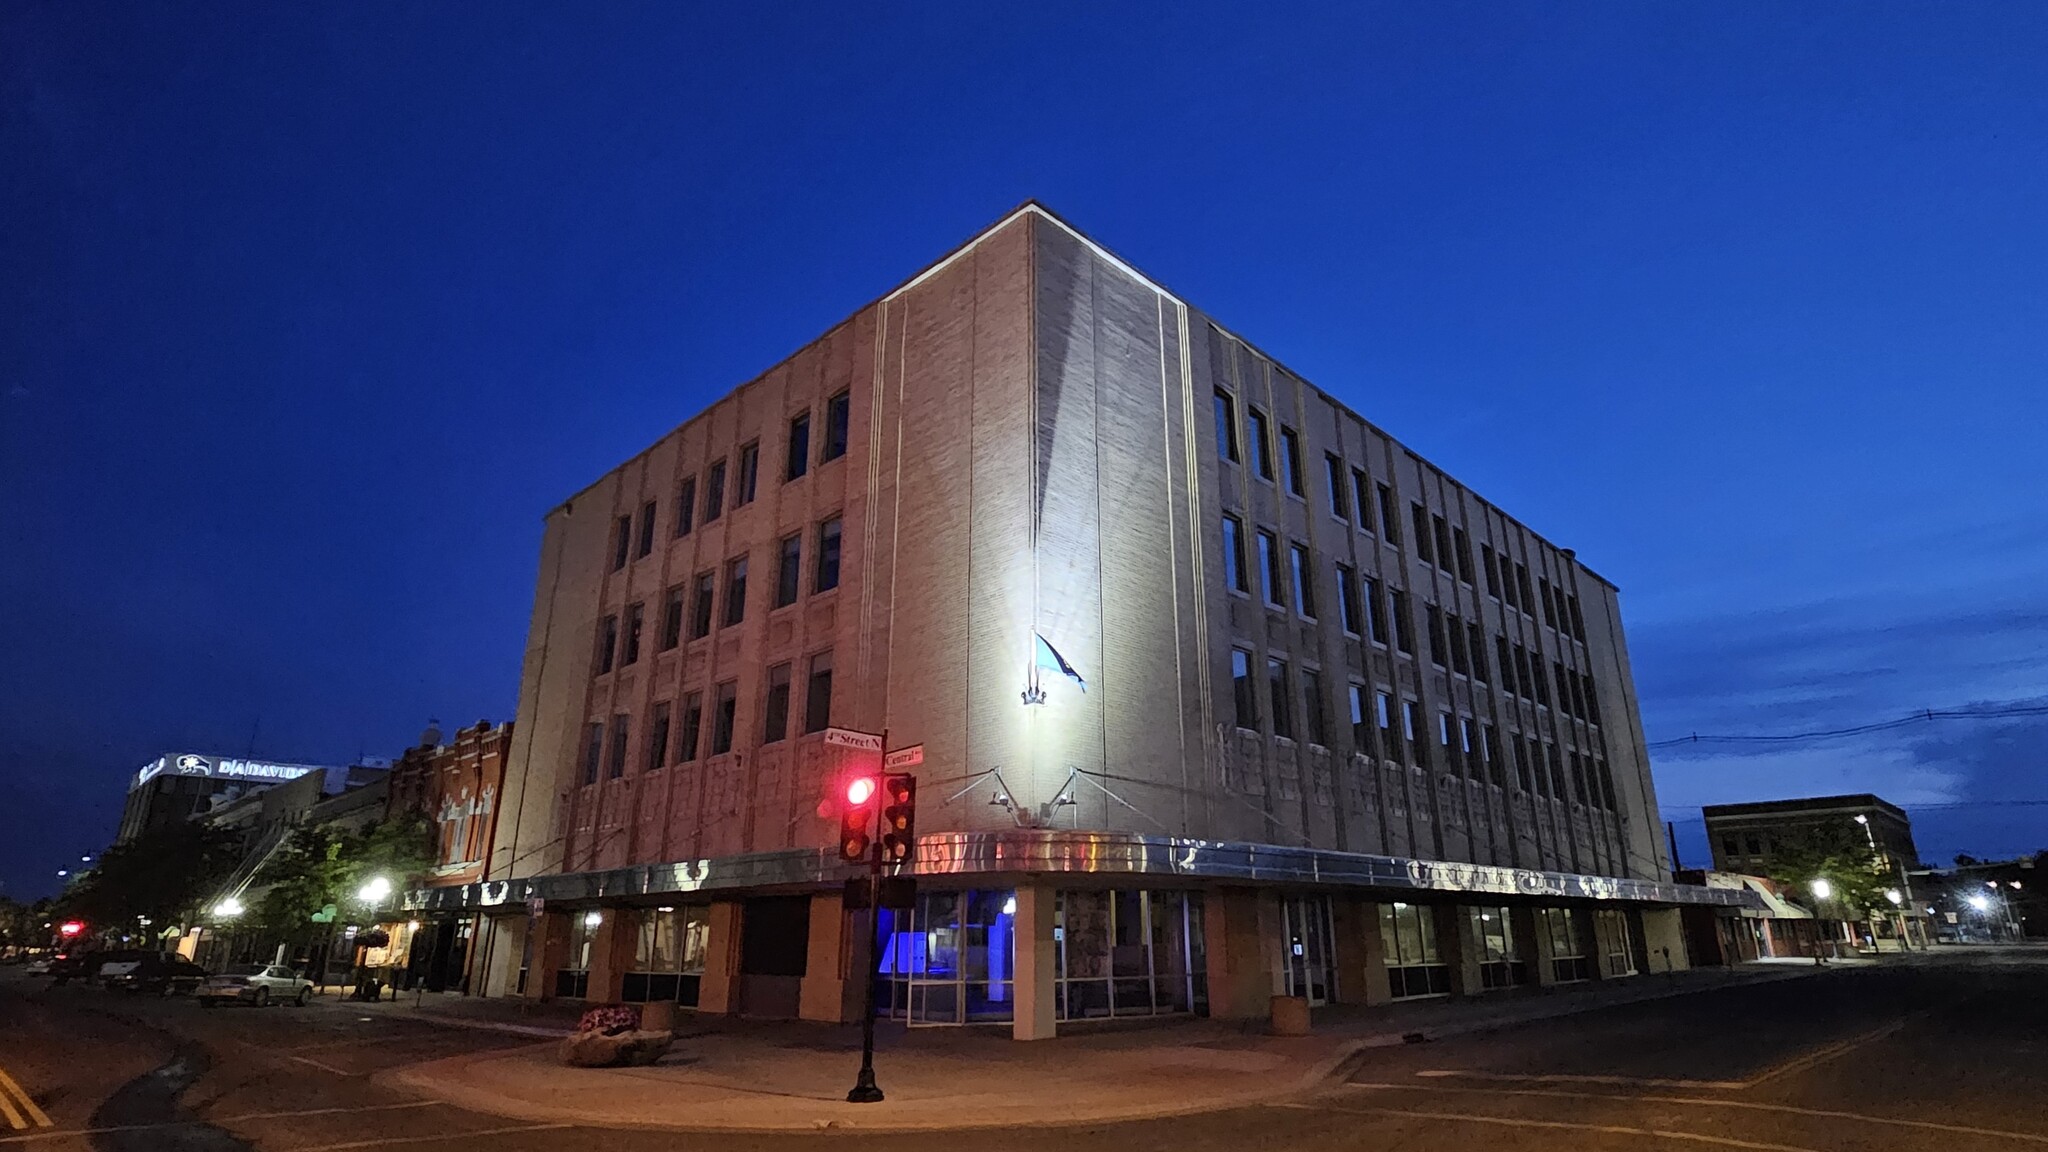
{"type": "Point", "coordinates": [797, 460]}
{"type": "Point", "coordinates": [1269, 570]}
{"type": "Point", "coordinates": [1304, 580]}
{"type": "Point", "coordinates": [622, 541]}
{"type": "Point", "coordinates": [1521, 764]}
{"type": "Point", "coordinates": [686, 506]}
{"type": "Point", "coordinates": [1443, 543]}
{"type": "Point", "coordinates": [1528, 604]}
{"type": "Point", "coordinates": [1568, 963]}
{"type": "Point", "coordinates": [750, 466]}
{"type": "Point", "coordinates": [635, 617]}
{"type": "Point", "coordinates": [1489, 752]}
{"type": "Point", "coordinates": [1233, 555]}
{"type": "Point", "coordinates": [1532, 759]}
{"type": "Point", "coordinates": [1408, 938]}
{"type": "Point", "coordinates": [1375, 610]}
{"type": "Point", "coordinates": [788, 570]}
{"type": "Point", "coordinates": [1312, 706]}
{"type": "Point", "coordinates": [1277, 696]}
{"type": "Point", "coordinates": [723, 714]}
{"type": "Point", "coordinates": [672, 618]}
{"type": "Point", "coordinates": [1423, 547]}
{"type": "Point", "coordinates": [1578, 621]}
{"type": "Point", "coordinates": [735, 591]}
{"type": "Point", "coordinates": [1500, 961]}
{"type": "Point", "coordinates": [1290, 460]}
{"type": "Point", "coordinates": [838, 413]}
{"type": "Point", "coordinates": [1756, 846]}
{"type": "Point", "coordinates": [1347, 600]}
{"type": "Point", "coordinates": [700, 607]}
{"type": "Point", "coordinates": [621, 737]}
{"type": "Point", "coordinates": [1361, 498]}
{"type": "Point", "coordinates": [1226, 427]}
{"type": "Point", "coordinates": [1507, 583]}
{"type": "Point", "coordinates": [1262, 448]}
{"type": "Point", "coordinates": [1444, 741]}
{"type": "Point", "coordinates": [1404, 631]}
{"type": "Point", "coordinates": [826, 577]}
{"type": "Point", "coordinates": [1461, 660]}
{"type": "Point", "coordinates": [1486, 562]}
{"type": "Point", "coordinates": [818, 694]}
{"type": "Point", "coordinates": [714, 492]}
{"type": "Point", "coordinates": [1556, 771]}
{"type": "Point", "coordinates": [1241, 691]}
{"type": "Point", "coordinates": [1549, 609]}
{"type": "Point", "coordinates": [775, 712]}
{"type": "Point", "coordinates": [1361, 727]}
{"type": "Point", "coordinates": [1383, 716]}
{"type": "Point", "coordinates": [657, 738]}
{"type": "Point", "coordinates": [593, 751]}
{"type": "Point", "coordinates": [1542, 682]}
{"type": "Point", "coordinates": [668, 957]}
{"type": "Point", "coordinates": [1524, 687]}
{"type": "Point", "coordinates": [1729, 847]}
{"type": "Point", "coordinates": [1477, 636]}
{"type": "Point", "coordinates": [1461, 546]}
{"type": "Point", "coordinates": [647, 528]}
{"type": "Point", "coordinates": [693, 723]}
{"type": "Point", "coordinates": [607, 643]}
{"type": "Point", "coordinates": [1506, 663]}
{"type": "Point", "coordinates": [1434, 625]}
{"type": "Point", "coordinates": [1411, 723]}
{"type": "Point", "coordinates": [1340, 496]}
{"type": "Point", "coordinates": [1389, 525]}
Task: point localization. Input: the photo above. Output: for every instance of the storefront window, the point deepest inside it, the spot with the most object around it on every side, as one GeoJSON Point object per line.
{"type": "Point", "coordinates": [1127, 953]}
{"type": "Point", "coordinates": [1617, 942]}
{"type": "Point", "coordinates": [1561, 927]}
{"type": "Point", "coordinates": [1408, 935]}
{"type": "Point", "coordinates": [668, 956]}
{"type": "Point", "coordinates": [1500, 961]}
{"type": "Point", "coordinates": [572, 982]}
{"type": "Point", "coordinates": [949, 960]}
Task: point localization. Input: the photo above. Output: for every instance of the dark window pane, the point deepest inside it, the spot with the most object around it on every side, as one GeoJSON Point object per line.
{"type": "Point", "coordinates": [1226, 426]}
{"type": "Point", "coordinates": [788, 570]}
{"type": "Point", "coordinates": [714, 492]}
{"type": "Point", "coordinates": [818, 694]}
{"type": "Point", "coordinates": [828, 555]}
{"type": "Point", "coordinates": [686, 506]}
{"type": "Point", "coordinates": [736, 591]}
{"type": "Point", "coordinates": [723, 715]}
{"type": "Point", "coordinates": [775, 710]}
{"type": "Point", "coordinates": [798, 460]}
{"type": "Point", "coordinates": [838, 414]}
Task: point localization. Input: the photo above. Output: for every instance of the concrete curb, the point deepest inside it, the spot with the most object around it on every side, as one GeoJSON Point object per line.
{"type": "Point", "coordinates": [430, 1079]}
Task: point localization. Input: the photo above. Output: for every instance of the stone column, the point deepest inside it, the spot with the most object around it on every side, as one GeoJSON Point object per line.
{"type": "Point", "coordinates": [1240, 980]}
{"type": "Point", "coordinates": [1664, 928]}
{"type": "Point", "coordinates": [495, 955]}
{"type": "Point", "coordinates": [836, 952]}
{"type": "Point", "coordinates": [1350, 927]}
{"type": "Point", "coordinates": [550, 951]}
{"type": "Point", "coordinates": [1377, 988]}
{"type": "Point", "coordinates": [1458, 947]}
{"type": "Point", "coordinates": [1034, 1007]}
{"type": "Point", "coordinates": [718, 991]}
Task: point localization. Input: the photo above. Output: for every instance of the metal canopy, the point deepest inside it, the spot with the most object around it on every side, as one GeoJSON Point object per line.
{"type": "Point", "coordinates": [1109, 855]}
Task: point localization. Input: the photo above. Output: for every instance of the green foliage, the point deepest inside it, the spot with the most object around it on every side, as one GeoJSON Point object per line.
{"type": "Point", "coordinates": [325, 864]}
{"type": "Point", "coordinates": [162, 874]}
{"type": "Point", "coordinates": [21, 925]}
{"type": "Point", "coordinates": [1838, 851]}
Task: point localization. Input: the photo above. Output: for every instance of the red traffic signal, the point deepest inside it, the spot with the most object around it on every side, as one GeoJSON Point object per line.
{"type": "Point", "coordinates": [899, 817]}
{"type": "Point", "coordinates": [857, 819]}
{"type": "Point", "coordinates": [70, 928]}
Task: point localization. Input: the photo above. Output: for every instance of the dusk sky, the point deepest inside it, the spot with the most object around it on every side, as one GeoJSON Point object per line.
{"type": "Point", "coordinates": [308, 313]}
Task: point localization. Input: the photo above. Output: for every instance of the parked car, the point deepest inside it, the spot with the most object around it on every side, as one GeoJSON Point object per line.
{"type": "Point", "coordinates": [159, 972]}
{"type": "Point", "coordinates": [40, 966]}
{"type": "Point", "coordinates": [257, 984]}
{"type": "Point", "coordinates": [86, 966]}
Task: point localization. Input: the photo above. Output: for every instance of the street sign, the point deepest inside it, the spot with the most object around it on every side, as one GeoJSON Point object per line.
{"type": "Point", "coordinates": [848, 738]}
{"type": "Point", "coordinates": [903, 758]}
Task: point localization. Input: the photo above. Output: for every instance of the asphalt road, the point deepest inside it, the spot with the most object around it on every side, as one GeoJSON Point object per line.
{"type": "Point", "coordinates": [1937, 1055]}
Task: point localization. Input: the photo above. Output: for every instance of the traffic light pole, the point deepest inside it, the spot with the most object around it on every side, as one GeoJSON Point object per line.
{"type": "Point", "coordinates": [865, 1090]}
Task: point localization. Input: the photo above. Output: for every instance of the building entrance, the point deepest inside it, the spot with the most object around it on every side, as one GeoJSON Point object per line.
{"type": "Point", "coordinates": [775, 939]}
{"type": "Point", "coordinates": [1309, 961]}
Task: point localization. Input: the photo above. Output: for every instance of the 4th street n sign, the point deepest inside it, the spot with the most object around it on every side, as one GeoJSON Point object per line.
{"type": "Point", "coordinates": [858, 741]}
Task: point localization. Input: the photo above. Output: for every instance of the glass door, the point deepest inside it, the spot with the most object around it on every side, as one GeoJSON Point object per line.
{"type": "Point", "coordinates": [1308, 960]}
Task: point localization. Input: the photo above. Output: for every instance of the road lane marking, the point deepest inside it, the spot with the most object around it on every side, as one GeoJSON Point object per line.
{"type": "Point", "coordinates": [323, 1067]}
{"type": "Point", "coordinates": [1561, 1125]}
{"type": "Point", "coordinates": [385, 1141]}
{"type": "Point", "coordinates": [1560, 1078]}
{"type": "Point", "coordinates": [85, 1132]}
{"type": "Point", "coordinates": [1827, 1052]}
{"type": "Point", "coordinates": [28, 1115]}
{"type": "Point", "coordinates": [1719, 1102]}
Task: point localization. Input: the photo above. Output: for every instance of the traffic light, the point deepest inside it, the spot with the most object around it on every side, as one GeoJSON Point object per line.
{"type": "Point", "coordinates": [856, 819]}
{"type": "Point", "coordinates": [899, 817]}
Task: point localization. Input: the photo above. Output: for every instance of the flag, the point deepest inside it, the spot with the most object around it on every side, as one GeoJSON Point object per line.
{"type": "Point", "coordinates": [1049, 658]}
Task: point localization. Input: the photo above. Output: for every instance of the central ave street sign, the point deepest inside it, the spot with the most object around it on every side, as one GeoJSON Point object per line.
{"type": "Point", "coordinates": [903, 758]}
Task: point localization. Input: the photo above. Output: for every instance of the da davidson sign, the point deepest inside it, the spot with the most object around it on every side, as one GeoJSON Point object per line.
{"type": "Point", "coordinates": [223, 767]}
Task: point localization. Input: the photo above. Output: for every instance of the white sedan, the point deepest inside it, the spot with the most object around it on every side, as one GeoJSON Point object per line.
{"type": "Point", "coordinates": [257, 984]}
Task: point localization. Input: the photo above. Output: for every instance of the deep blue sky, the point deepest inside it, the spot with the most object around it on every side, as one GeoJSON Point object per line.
{"type": "Point", "coordinates": [309, 313]}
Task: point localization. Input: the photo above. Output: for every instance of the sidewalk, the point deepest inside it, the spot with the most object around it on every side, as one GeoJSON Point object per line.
{"type": "Point", "coordinates": [726, 1075]}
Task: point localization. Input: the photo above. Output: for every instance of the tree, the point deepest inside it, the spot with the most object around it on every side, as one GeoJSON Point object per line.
{"type": "Point", "coordinates": [161, 875]}
{"type": "Point", "coordinates": [1839, 852]}
{"type": "Point", "coordinates": [325, 864]}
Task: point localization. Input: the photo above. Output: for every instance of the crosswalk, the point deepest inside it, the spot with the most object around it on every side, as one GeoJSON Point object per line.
{"type": "Point", "coordinates": [18, 1106]}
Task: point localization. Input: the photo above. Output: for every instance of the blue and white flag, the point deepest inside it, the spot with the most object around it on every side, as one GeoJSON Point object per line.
{"type": "Point", "coordinates": [1050, 659]}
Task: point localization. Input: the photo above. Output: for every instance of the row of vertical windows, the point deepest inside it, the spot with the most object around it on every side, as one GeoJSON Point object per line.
{"type": "Point", "coordinates": [676, 740]}
{"type": "Point", "coordinates": [1457, 644]}
{"type": "Point", "coordinates": [715, 490]}
{"type": "Point", "coordinates": [1441, 543]}
{"type": "Point", "coordinates": [611, 652]}
{"type": "Point", "coordinates": [1262, 448]}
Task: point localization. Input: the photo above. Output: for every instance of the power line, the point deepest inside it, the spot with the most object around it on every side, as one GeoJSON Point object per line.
{"type": "Point", "coordinates": [1922, 716]}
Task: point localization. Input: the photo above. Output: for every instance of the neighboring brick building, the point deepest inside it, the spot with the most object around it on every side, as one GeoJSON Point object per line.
{"type": "Point", "coordinates": [1347, 731]}
{"type": "Point", "coordinates": [456, 786]}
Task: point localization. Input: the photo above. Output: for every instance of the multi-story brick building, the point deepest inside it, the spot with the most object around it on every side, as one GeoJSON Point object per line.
{"type": "Point", "coordinates": [1335, 726]}
{"type": "Point", "coordinates": [455, 785]}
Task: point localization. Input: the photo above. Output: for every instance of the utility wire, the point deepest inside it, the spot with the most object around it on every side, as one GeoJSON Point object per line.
{"type": "Point", "coordinates": [1922, 716]}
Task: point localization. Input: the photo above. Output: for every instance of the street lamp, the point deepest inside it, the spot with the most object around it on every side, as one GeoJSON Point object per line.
{"type": "Point", "coordinates": [374, 890]}
{"type": "Point", "coordinates": [228, 908]}
{"type": "Point", "coordinates": [1822, 889]}
{"type": "Point", "coordinates": [1892, 894]}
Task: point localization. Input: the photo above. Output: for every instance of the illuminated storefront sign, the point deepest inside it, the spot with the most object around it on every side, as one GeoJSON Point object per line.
{"type": "Point", "coordinates": [222, 767]}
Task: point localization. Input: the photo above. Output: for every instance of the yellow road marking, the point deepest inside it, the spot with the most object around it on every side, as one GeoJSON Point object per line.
{"type": "Point", "coordinates": [1827, 1052]}
{"type": "Point", "coordinates": [381, 1142]}
{"type": "Point", "coordinates": [1560, 1078]}
{"type": "Point", "coordinates": [35, 1116]}
{"type": "Point", "coordinates": [1717, 1102]}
